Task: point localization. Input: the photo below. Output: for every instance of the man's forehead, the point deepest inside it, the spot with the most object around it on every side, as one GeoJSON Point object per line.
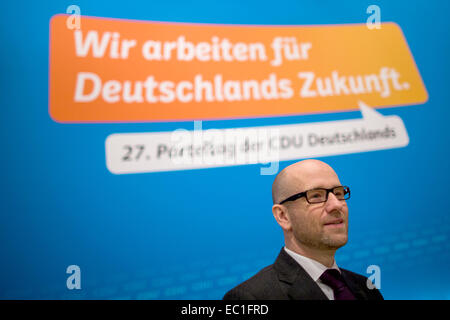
{"type": "Point", "coordinates": [313, 175]}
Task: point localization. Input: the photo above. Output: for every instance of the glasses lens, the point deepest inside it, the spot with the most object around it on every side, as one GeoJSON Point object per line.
{"type": "Point", "coordinates": [316, 195]}
{"type": "Point", "coordinates": [341, 192]}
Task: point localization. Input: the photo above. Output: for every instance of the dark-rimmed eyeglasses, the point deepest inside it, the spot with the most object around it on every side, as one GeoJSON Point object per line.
{"type": "Point", "coordinates": [319, 195]}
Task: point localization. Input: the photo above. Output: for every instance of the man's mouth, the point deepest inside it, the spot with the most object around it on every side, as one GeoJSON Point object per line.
{"type": "Point", "coordinates": [335, 223]}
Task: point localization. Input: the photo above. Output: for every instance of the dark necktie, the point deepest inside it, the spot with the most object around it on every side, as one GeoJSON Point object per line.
{"type": "Point", "coordinates": [334, 280]}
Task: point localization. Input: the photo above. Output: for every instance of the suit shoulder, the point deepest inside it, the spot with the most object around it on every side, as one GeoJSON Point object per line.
{"type": "Point", "coordinates": [263, 276]}
{"type": "Point", "coordinates": [358, 277]}
{"type": "Point", "coordinates": [259, 286]}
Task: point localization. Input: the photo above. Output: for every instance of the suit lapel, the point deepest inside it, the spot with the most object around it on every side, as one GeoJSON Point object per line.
{"type": "Point", "coordinates": [355, 287]}
{"type": "Point", "coordinates": [300, 285]}
{"type": "Point", "coordinates": [305, 288]}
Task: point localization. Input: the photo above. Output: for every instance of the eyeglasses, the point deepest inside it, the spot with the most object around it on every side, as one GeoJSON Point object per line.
{"type": "Point", "coordinates": [319, 195]}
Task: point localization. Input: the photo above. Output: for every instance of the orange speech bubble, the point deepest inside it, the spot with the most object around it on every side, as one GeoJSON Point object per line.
{"type": "Point", "coordinates": [113, 70]}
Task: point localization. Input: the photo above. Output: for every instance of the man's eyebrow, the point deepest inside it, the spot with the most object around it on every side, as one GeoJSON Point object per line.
{"type": "Point", "coordinates": [335, 186]}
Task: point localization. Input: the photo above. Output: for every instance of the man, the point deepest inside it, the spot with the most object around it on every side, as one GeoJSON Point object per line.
{"type": "Point", "coordinates": [309, 205]}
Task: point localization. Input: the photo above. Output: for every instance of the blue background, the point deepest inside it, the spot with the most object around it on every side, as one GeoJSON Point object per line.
{"type": "Point", "coordinates": [195, 234]}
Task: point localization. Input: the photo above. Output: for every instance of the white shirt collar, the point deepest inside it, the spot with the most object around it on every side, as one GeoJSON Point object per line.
{"type": "Point", "coordinates": [312, 267]}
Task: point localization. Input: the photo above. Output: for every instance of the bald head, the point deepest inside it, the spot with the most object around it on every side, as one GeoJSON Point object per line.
{"type": "Point", "coordinates": [297, 178]}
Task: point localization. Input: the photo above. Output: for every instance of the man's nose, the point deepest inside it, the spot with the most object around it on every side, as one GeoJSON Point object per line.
{"type": "Point", "coordinates": [333, 203]}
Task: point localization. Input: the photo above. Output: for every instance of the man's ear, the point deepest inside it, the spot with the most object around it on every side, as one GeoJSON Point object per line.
{"type": "Point", "coordinates": [280, 213]}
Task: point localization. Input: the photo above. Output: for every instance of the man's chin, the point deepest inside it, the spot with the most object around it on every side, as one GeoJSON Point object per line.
{"type": "Point", "coordinates": [335, 242]}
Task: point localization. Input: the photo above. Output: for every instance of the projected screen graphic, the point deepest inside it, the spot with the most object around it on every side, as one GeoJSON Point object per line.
{"type": "Point", "coordinates": [141, 143]}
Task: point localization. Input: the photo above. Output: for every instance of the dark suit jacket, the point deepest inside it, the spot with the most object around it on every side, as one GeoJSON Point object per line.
{"type": "Point", "coordinates": [287, 280]}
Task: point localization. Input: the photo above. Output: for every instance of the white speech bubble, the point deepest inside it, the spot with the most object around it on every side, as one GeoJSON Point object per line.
{"type": "Point", "coordinates": [195, 149]}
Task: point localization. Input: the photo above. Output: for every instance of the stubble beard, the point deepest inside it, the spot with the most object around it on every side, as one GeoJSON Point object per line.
{"type": "Point", "coordinates": [326, 241]}
{"type": "Point", "coordinates": [334, 241]}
